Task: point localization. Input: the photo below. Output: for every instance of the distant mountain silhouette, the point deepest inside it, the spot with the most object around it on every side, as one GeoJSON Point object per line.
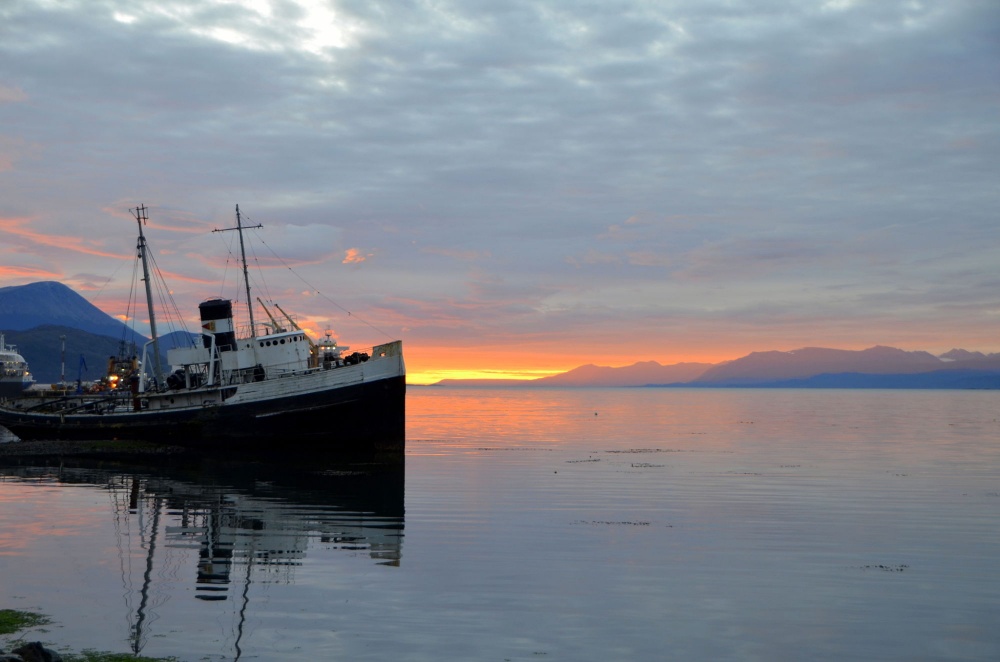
{"type": "Point", "coordinates": [42, 349]}
{"type": "Point", "coordinates": [50, 303]}
{"type": "Point", "coordinates": [770, 366]}
{"type": "Point", "coordinates": [178, 339]}
{"type": "Point", "coordinates": [962, 355]}
{"type": "Point", "coordinates": [34, 317]}
{"type": "Point", "coordinates": [482, 383]}
{"type": "Point", "coordinates": [637, 374]}
{"type": "Point", "coordinates": [810, 367]}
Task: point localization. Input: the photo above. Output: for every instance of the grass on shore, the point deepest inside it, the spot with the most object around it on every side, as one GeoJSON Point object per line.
{"type": "Point", "coordinates": [12, 620]}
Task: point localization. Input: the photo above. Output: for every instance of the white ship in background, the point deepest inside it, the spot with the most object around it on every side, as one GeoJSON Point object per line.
{"type": "Point", "coordinates": [14, 374]}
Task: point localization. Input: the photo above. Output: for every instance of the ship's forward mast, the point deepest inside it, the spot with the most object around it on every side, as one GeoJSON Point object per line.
{"type": "Point", "coordinates": [141, 218]}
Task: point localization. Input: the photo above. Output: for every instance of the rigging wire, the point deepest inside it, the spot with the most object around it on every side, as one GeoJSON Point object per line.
{"type": "Point", "coordinates": [321, 294]}
{"type": "Point", "coordinates": [231, 257]}
{"type": "Point", "coordinates": [167, 301]}
{"type": "Point", "coordinates": [130, 310]}
{"type": "Point", "coordinates": [109, 279]}
{"type": "Point", "coordinates": [225, 270]}
{"type": "Point", "coordinates": [256, 261]}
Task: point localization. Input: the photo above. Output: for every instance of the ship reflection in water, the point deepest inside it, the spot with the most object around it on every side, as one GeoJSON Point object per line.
{"type": "Point", "coordinates": [231, 526]}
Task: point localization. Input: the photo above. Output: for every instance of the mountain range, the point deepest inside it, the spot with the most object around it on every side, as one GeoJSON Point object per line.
{"type": "Point", "coordinates": [49, 303]}
{"type": "Point", "coordinates": [774, 368]}
{"type": "Point", "coordinates": [809, 367]}
{"type": "Point", "coordinates": [36, 316]}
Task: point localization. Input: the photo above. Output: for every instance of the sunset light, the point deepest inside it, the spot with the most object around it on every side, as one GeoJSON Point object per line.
{"type": "Point", "coordinates": [522, 214]}
{"type": "Point", "coordinates": [434, 375]}
{"type": "Point", "coordinates": [441, 331]}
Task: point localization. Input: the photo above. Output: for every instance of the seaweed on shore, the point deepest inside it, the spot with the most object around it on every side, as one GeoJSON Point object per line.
{"type": "Point", "coordinates": [13, 620]}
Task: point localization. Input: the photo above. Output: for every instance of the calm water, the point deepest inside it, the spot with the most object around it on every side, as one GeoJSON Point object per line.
{"type": "Point", "coordinates": [546, 525]}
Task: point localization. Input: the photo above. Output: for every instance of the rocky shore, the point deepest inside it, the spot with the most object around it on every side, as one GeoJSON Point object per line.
{"type": "Point", "coordinates": [33, 652]}
{"type": "Point", "coordinates": [104, 448]}
{"type": "Point", "coordinates": [13, 621]}
{"type": "Point", "coordinates": [36, 652]}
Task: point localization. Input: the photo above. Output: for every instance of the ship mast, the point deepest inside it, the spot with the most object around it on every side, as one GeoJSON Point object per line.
{"type": "Point", "coordinates": [141, 218]}
{"type": "Point", "coordinates": [243, 259]}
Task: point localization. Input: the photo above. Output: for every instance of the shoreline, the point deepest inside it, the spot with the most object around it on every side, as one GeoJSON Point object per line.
{"type": "Point", "coordinates": [101, 448]}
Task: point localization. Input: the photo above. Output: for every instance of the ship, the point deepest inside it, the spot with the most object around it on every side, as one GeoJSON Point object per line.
{"type": "Point", "coordinates": [14, 374]}
{"type": "Point", "coordinates": [270, 387]}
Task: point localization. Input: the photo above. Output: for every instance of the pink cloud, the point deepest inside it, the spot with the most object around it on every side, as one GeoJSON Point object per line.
{"type": "Point", "coordinates": [17, 227]}
{"type": "Point", "coordinates": [28, 272]}
{"type": "Point", "coordinates": [12, 95]}
{"type": "Point", "coordinates": [355, 256]}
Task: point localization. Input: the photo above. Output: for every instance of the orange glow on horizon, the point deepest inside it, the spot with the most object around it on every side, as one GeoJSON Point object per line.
{"type": "Point", "coordinates": [429, 365]}
{"type": "Point", "coordinates": [435, 375]}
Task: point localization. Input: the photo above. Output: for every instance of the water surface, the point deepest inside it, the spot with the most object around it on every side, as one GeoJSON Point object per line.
{"type": "Point", "coordinates": [547, 524]}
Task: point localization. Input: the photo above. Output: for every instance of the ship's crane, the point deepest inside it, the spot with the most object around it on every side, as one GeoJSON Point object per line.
{"type": "Point", "coordinates": [312, 345]}
{"type": "Point", "coordinates": [274, 323]}
{"type": "Point", "coordinates": [313, 351]}
{"type": "Point", "coordinates": [81, 368]}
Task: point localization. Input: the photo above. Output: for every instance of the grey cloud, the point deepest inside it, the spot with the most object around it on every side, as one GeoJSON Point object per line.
{"type": "Point", "coordinates": [788, 133]}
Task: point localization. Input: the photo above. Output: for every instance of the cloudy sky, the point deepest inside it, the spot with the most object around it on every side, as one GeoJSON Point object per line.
{"type": "Point", "coordinates": [517, 187]}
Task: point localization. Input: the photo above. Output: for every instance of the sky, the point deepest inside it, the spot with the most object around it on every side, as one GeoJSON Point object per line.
{"type": "Point", "coordinates": [518, 188]}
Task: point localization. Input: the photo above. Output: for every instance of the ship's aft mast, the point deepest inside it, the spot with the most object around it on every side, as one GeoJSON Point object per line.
{"type": "Point", "coordinates": [141, 218]}
{"type": "Point", "coordinates": [243, 259]}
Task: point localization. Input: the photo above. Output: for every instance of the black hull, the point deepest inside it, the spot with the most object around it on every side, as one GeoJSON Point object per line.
{"type": "Point", "coordinates": [12, 389]}
{"type": "Point", "coordinates": [364, 417]}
